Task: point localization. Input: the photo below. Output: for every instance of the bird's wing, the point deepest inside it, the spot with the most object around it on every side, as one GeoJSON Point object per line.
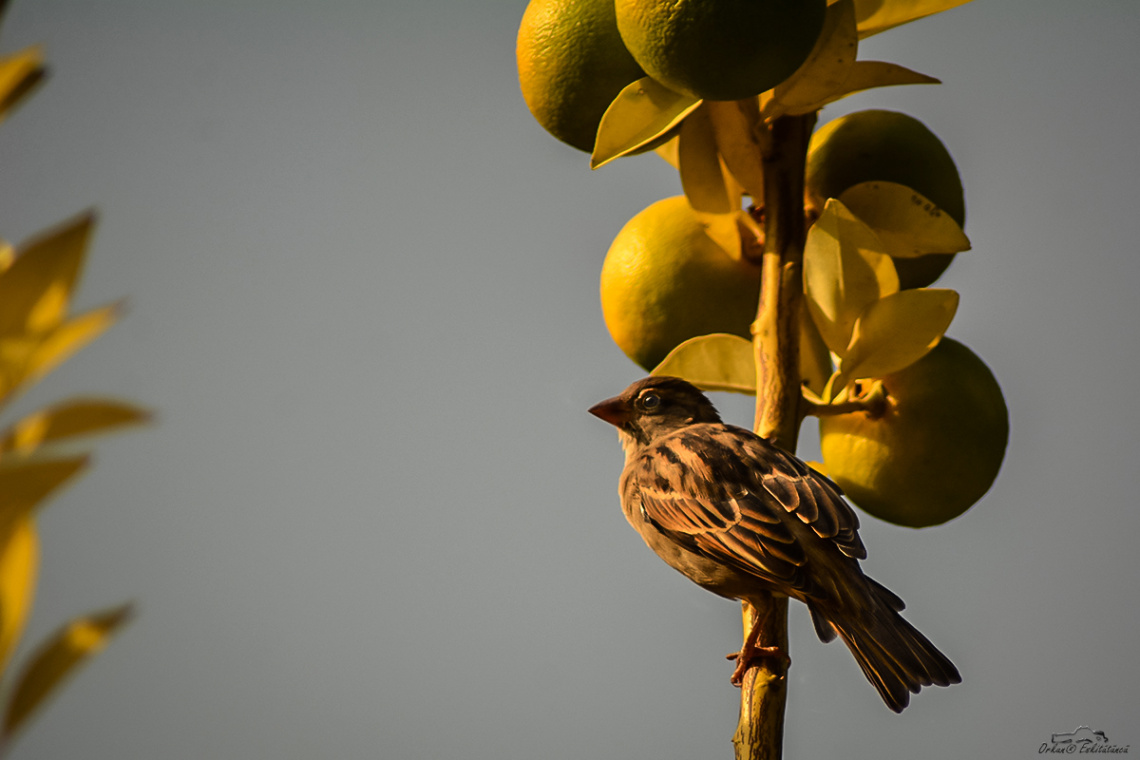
{"type": "Point", "coordinates": [729, 494]}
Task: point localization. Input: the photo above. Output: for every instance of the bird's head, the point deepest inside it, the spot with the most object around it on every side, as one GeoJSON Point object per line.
{"type": "Point", "coordinates": [654, 407]}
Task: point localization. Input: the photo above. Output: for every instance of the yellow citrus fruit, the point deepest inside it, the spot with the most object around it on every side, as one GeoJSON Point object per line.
{"type": "Point", "coordinates": [572, 64]}
{"type": "Point", "coordinates": [720, 49]}
{"type": "Point", "coordinates": [665, 281]}
{"type": "Point", "coordinates": [891, 147]}
{"type": "Point", "coordinates": [935, 451]}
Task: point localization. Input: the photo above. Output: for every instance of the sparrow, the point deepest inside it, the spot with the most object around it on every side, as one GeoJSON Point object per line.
{"type": "Point", "coordinates": [745, 520]}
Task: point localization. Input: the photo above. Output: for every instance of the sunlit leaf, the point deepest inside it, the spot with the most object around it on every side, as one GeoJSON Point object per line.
{"type": "Point", "coordinates": [7, 255]}
{"type": "Point", "coordinates": [724, 230]}
{"type": "Point", "coordinates": [864, 75]}
{"type": "Point", "coordinates": [702, 175]}
{"type": "Point", "coordinates": [735, 126]}
{"type": "Point", "coordinates": [58, 658]}
{"type": "Point", "coordinates": [819, 467]}
{"type": "Point", "coordinates": [70, 418]}
{"type": "Point", "coordinates": [815, 359]}
{"type": "Point", "coordinates": [718, 362]}
{"type": "Point", "coordinates": [19, 559]}
{"type": "Point", "coordinates": [24, 484]}
{"type": "Point", "coordinates": [826, 69]}
{"type": "Point", "coordinates": [897, 331]}
{"type": "Point", "coordinates": [845, 270]}
{"type": "Point", "coordinates": [876, 16]}
{"type": "Point", "coordinates": [59, 344]}
{"type": "Point", "coordinates": [642, 112]}
{"type": "Point", "coordinates": [668, 151]}
{"type": "Point", "coordinates": [36, 289]}
{"type": "Point", "coordinates": [19, 75]}
{"type": "Point", "coordinates": [907, 222]}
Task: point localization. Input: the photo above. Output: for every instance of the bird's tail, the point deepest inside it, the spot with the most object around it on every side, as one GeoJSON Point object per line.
{"type": "Point", "coordinates": [896, 658]}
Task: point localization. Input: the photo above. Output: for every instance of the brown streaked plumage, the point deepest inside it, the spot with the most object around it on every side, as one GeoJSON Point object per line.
{"type": "Point", "coordinates": [744, 519]}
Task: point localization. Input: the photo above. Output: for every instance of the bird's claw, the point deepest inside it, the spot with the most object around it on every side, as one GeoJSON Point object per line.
{"type": "Point", "coordinates": [746, 658]}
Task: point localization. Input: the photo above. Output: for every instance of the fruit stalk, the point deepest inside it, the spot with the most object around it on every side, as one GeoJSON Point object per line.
{"type": "Point", "coordinates": [775, 338]}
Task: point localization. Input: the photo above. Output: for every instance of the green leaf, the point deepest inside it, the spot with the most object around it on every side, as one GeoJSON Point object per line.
{"type": "Point", "coordinates": [826, 69]}
{"type": "Point", "coordinates": [59, 657]}
{"type": "Point", "coordinates": [845, 270]}
{"type": "Point", "coordinates": [19, 559]}
{"type": "Point", "coordinates": [19, 75]}
{"type": "Point", "coordinates": [644, 111]}
{"type": "Point", "coordinates": [737, 125]}
{"type": "Point", "coordinates": [702, 175]}
{"type": "Point", "coordinates": [718, 362]}
{"type": "Point", "coordinates": [907, 222]}
{"type": "Point", "coordinates": [69, 419]}
{"type": "Point", "coordinates": [876, 16]}
{"type": "Point", "coordinates": [897, 331]}
{"type": "Point", "coordinates": [36, 289]}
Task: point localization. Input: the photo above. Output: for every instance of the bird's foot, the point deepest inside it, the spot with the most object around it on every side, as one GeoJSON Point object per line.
{"type": "Point", "coordinates": [747, 657]}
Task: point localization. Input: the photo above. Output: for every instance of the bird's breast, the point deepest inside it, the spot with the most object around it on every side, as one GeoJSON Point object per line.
{"type": "Point", "coordinates": [713, 576]}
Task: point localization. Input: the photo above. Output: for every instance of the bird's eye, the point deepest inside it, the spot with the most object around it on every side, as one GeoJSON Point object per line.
{"type": "Point", "coordinates": [650, 401]}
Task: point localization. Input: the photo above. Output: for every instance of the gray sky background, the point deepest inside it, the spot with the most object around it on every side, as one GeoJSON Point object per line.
{"type": "Point", "coordinates": [375, 520]}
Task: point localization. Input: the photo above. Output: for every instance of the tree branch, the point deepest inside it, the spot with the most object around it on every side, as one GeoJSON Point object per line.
{"type": "Point", "coordinates": [775, 338]}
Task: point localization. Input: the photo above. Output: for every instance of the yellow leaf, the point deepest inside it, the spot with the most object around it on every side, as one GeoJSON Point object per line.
{"type": "Point", "coordinates": [876, 16]}
{"type": "Point", "coordinates": [815, 359]}
{"type": "Point", "coordinates": [702, 175]}
{"type": "Point", "coordinates": [7, 256]}
{"type": "Point", "coordinates": [36, 289]}
{"type": "Point", "coordinates": [736, 126]}
{"type": "Point", "coordinates": [69, 337]}
{"type": "Point", "coordinates": [845, 270]}
{"type": "Point", "coordinates": [70, 418]}
{"type": "Point", "coordinates": [19, 75]}
{"type": "Point", "coordinates": [668, 151]}
{"type": "Point", "coordinates": [724, 230]}
{"type": "Point", "coordinates": [819, 467]}
{"type": "Point", "coordinates": [19, 558]}
{"type": "Point", "coordinates": [897, 331]}
{"type": "Point", "coordinates": [826, 69]}
{"type": "Point", "coordinates": [643, 112]}
{"type": "Point", "coordinates": [907, 223]}
{"type": "Point", "coordinates": [59, 657]}
{"type": "Point", "coordinates": [24, 484]}
{"type": "Point", "coordinates": [718, 362]}
{"type": "Point", "coordinates": [15, 353]}
{"type": "Point", "coordinates": [864, 75]}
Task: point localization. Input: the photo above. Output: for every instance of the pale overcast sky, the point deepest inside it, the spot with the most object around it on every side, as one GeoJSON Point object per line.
{"type": "Point", "coordinates": [374, 519]}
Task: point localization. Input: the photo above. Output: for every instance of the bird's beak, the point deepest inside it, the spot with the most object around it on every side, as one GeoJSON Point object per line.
{"type": "Point", "coordinates": [613, 410]}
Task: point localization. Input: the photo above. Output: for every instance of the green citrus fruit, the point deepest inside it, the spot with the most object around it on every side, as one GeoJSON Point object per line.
{"type": "Point", "coordinates": [665, 281]}
{"type": "Point", "coordinates": [891, 147]}
{"type": "Point", "coordinates": [572, 64]}
{"type": "Point", "coordinates": [935, 451]}
{"type": "Point", "coordinates": [720, 49]}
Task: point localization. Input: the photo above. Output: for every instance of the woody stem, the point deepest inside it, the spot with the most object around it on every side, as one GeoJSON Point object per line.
{"type": "Point", "coordinates": [775, 338]}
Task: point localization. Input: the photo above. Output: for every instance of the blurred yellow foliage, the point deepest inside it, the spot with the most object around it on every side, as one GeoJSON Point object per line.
{"type": "Point", "coordinates": [37, 334]}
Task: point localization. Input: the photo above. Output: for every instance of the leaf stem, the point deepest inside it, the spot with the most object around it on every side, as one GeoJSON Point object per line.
{"type": "Point", "coordinates": [873, 402]}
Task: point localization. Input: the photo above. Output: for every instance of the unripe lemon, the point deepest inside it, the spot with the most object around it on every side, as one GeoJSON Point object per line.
{"type": "Point", "coordinates": [665, 281]}
{"type": "Point", "coordinates": [720, 49]}
{"type": "Point", "coordinates": [572, 64]}
{"type": "Point", "coordinates": [890, 147]}
{"type": "Point", "coordinates": [935, 451]}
